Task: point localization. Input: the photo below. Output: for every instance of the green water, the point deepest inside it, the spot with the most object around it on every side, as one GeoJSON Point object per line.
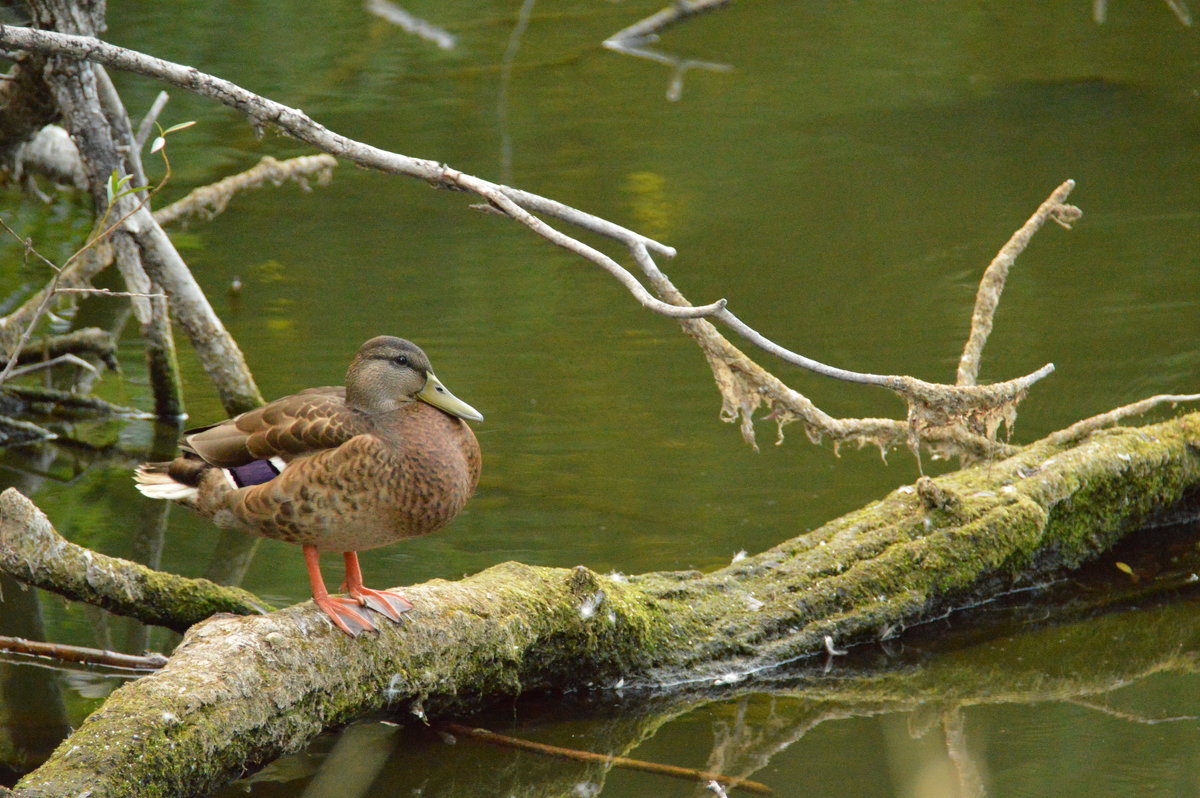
{"type": "Point", "coordinates": [843, 186]}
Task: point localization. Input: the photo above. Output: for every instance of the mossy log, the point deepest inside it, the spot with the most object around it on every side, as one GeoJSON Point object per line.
{"type": "Point", "coordinates": [242, 690]}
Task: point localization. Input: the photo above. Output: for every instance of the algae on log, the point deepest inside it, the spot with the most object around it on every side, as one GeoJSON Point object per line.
{"type": "Point", "coordinates": [242, 690]}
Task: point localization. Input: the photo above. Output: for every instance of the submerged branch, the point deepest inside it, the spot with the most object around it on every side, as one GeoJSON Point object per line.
{"type": "Point", "coordinates": [607, 760]}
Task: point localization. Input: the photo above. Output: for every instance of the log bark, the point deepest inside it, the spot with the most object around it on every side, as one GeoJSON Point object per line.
{"type": "Point", "coordinates": [241, 690]}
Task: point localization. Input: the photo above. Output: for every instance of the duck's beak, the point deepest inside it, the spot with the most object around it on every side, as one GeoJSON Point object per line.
{"type": "Point", "coordinates": [436, 394]}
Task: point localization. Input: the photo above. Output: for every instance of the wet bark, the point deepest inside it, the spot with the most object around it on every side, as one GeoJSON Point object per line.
{"type": "Point", "coordinates": [242, 690]}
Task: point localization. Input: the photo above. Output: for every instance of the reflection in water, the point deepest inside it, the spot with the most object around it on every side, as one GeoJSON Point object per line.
{"type": "Point", "coordinates": [635, 39]}
{"type": "Point", "coordinates": [33, 718]}
{"type": "Point", "coordinates": [506, 69]}
{"type": "Point", "coordinates": [411, 24]}
{"type": "Point", "coordinates": [1178, 8]}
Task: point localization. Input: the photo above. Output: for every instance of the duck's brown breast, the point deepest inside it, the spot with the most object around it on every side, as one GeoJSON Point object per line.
{"type": "Point", "coordinates": [409, 474]}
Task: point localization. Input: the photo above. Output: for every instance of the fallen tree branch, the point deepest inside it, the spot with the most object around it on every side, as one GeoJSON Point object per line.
{"type": "Point", "coordinates": [15, 432]}
{"type": "Point", "coordinates": [64, 404]}
{"type": "Point", "coordinates": [85, 341]}
{"type": "Point", "coordinates": [244, 689]}
{"type": "Point", "coordinates": [32, 552]}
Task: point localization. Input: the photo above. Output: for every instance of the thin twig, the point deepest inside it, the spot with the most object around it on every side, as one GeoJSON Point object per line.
{"type": "Point", "coordinates": [37, 315]}
{"type": "Point", "coordinates": [146, 127]}
{"type": "Point", "coordinates": [634, 39]}
{"type": "Point", "coordinates": [80, 654]}
{"type": "Point", "coordinates": [1128, 716]}
{"type": "Point", "coordinates": [52, 289]}
{"type": "Point", "coordinates": [505, 741]}
{"type": "Point", "coordinates": [515, 211]}
{"type": "Point", "coordinates": [895, 382]}
{"type": "Point", "coordinates": [108, 292]}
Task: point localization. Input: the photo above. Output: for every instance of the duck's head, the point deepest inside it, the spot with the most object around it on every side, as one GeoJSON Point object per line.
{"type": "Point", "coordinates": [388, 372]}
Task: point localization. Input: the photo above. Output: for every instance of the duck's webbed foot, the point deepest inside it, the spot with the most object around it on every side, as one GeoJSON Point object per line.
{"type": "Point", "coordinates": [347, 614]}
{"type": "Point", "coordinates": [385, 602]}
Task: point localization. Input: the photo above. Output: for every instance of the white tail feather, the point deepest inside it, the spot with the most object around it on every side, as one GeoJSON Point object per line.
{"type": "Point", "coordinates": [156, 485]}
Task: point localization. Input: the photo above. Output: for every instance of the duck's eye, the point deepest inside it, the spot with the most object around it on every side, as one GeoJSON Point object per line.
{"type": "Point", "coordinates": [400, 360]}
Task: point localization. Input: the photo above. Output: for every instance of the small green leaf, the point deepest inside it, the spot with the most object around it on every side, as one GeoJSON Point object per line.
{"type": "Point", "coordinates": [180, 126]}
{"type": "Point", "coordinates": [158, 144]}
{"type": "Point", "coordinates": [113, 186]}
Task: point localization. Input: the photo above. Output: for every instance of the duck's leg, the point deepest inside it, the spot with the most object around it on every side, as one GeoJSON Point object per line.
{"type": "Point", "coordinates": [346, 613]}
{"type": "Point", "coordinates": [384, 602]}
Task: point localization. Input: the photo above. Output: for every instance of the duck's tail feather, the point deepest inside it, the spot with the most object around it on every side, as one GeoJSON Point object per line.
{"type": "Point", "coordinates": [154, 481]}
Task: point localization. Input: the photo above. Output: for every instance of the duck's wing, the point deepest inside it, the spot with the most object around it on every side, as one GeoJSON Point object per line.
{"type": "Point", "coordinates": [294, 426]}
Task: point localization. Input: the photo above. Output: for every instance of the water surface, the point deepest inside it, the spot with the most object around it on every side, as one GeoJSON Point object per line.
{"type": "Point", "coordinates": [843, 186]}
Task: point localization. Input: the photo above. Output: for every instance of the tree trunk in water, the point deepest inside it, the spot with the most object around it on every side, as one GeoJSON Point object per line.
{"type": "Point", "coordinates": [242, 690]}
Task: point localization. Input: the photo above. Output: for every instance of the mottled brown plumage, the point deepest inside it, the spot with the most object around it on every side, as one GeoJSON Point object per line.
{"type": "Point", "coordinates": [385, 458]}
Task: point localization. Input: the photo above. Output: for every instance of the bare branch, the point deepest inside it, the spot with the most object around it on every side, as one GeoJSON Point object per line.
{"type": "Point", "coordinates": [146, 127]}
{"type": "Point", "coordinates": [1081, 429]}
{"type": "Point", "coordinates": [634, 39]}
{"type": "Point", "coordinates": [933, 408]}
{"type": "Point", "coordinates": [45, 364]}
{"type": "Point", "coordinates": [53, 402]}
{"type": "Point", "coordinates": [992, 284]}
{"type": "Point", "coordinates": [88, 656]}
{"type": "Point", "coordinates": [87, 340]}
{"type": "Point", "coordinates": [208, 201]}
{"type": "Point", "coordinates": [109, 292]}
{"type": "Point", "coordinates": [266, 113]}
{"type": "Point", "coordinates": [498, 198]}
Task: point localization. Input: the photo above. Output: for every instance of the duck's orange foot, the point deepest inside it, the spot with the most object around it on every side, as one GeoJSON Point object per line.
{"type": "Point", "coordinates": [384, 602]}
{"type": "Point", "coordinates": [347, 614]}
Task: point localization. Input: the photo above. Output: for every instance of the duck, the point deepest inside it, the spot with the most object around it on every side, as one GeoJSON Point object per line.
{"type": "Point", "coordinates": [339, 469]}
